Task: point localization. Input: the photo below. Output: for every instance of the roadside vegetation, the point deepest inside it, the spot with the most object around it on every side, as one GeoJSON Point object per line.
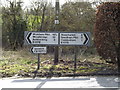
{"type": "Point", "coordinates": [22, 63]}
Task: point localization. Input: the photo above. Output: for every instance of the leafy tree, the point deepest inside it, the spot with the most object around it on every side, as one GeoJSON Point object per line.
{"type": "Point", "coordinates": [13, 26]}
{"type": "Point", "coordinates": [107, 31]}
{"type": "Point", "coordinates": [77, 16]}
{"type": "Point", "coordinates": [40, 16]}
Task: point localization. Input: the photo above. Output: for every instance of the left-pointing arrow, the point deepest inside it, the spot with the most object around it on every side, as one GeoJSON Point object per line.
{"type": "Point", "coordinates": [31, 49]}
{"type": "Point", "coordinates": [28, 38]}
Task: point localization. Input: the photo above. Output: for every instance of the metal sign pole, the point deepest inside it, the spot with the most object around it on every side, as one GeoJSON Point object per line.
{"type": "Point", "coordinates": [38, 62]}
{"type": "Point", "coordinates": [38, 50]}
{"type": "Point", "coordinates": [56, 48]}
{"type": "Point", "coordinates": [75, 59]}
{"type": "Point", "coordinates": [38, 67]}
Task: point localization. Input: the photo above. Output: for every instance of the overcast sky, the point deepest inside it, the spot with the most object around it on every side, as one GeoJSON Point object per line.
{"type": "Point", "coordinates": [28, 2]}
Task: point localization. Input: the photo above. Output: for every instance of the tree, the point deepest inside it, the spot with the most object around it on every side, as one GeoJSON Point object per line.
{"type": "Point", "coordinates": [107, 31]}
{"type": "Point", "coordinates": [77, 16]}
{"type": "Point", "coordinates": [40, 16]}
{"type": "Point", "coordinates": [13, 26]}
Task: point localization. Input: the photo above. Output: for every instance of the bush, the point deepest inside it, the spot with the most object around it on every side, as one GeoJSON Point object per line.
{"type": "Point", "coordinates": [107, 31]}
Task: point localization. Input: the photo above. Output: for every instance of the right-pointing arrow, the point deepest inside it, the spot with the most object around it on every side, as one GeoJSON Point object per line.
{"type": "Point", "coordinates": [28, 38]}
{"type": "Point", "coordinates": [86, 39]}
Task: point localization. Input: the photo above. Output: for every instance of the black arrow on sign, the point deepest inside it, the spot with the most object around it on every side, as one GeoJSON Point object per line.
{"type": "Point", "coordinates": [28, 38]}
{"type": "Point", "coordinates": [86, 39]}
{"type": "Point", "coordinates": [31, 49]}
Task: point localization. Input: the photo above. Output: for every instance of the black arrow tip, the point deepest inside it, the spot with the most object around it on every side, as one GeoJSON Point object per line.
{"type": "Point", "coordinates": [86, 39]}
{"type": "Point", "coordinates": [31, 49]}
{"type": "Point", "coordinates": [28, 38]}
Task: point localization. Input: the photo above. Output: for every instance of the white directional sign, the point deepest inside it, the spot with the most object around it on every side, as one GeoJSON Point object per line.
{"type": "Point", "coordinates": [39, 50]}
{"type": "Point", "coordinates": [57, 38]}
{"type": "Point", "coordinates": [42, 38]}
{"type": "Point", "coordinates": [74, 38]}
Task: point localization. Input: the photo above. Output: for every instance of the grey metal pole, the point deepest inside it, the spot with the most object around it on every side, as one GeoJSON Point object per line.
{"type": "Point", "coordinates": [38, 67]}
{"type": "Point", "coordinates": [56, 48]}
{"type": "Point", "coordinates": [38, 62]}
{"type": "Point", "coordinates": [75, 60]}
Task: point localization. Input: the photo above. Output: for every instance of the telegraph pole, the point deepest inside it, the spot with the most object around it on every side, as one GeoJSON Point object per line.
{"type": "Point", "coordinates": [56, 48]}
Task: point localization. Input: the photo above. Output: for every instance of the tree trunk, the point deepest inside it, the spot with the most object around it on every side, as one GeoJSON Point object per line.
{"type": "Point", "coordinates": [43, 17]}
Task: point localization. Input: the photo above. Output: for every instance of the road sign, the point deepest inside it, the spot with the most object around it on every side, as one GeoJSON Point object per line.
{"type": "Point", "coordinates": [42, 38]}
{"type": "Point", "coordinates": [39, 50]}
{"type": "Point", "coordinates": [74, 38]}
{"type": "Point", "coordinates": [57, 38]}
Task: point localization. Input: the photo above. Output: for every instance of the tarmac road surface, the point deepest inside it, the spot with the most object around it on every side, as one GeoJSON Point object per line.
{"type": "Point", "coordinates": [61, 82]}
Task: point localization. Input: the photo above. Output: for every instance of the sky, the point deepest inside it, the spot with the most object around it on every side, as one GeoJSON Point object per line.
{"type": "Point", "coordinates": [28, 2]}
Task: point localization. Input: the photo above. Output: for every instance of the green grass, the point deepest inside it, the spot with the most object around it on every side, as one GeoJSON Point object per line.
{"type": "Point", "coordinates": [83, 67]}
{"type": "Point", "coordinates": [87, 71]}
{"type": "Point", "coordinates": [23, 62]}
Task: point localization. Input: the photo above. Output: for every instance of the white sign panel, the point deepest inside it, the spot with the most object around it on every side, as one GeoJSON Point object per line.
{"type": "Point", "coordinates": [42, 38]}
{"type": "Point", "coordinates": [74, 38]}
{"type": "Point", "coordinates": [39, 50]}
{"type": "Point", "coordinates": [54, 38]}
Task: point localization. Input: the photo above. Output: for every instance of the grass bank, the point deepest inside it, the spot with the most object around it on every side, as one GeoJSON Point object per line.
{"type": "Point", "coordinates": [23, 63]}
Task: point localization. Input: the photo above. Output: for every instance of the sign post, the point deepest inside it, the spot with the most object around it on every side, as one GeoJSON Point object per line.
{"type": "Point", "coordinates": [76, 39]}
{"type": "Point", "coordinates": [38, 61]}
{"type": "Point", "coordinates": [38, 50]}
{"type": "Point", "coordinates": [75, 59]}
{"type": "Point", "coordinates": [38, 67]}
{"type": "Point", "coordinates": [57, 39]}
{"type": "Point", "coordinates": [56, 48]}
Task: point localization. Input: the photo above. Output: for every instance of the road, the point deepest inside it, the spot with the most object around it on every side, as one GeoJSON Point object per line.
{"type": "Point", "coordinates": [61, 82]}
